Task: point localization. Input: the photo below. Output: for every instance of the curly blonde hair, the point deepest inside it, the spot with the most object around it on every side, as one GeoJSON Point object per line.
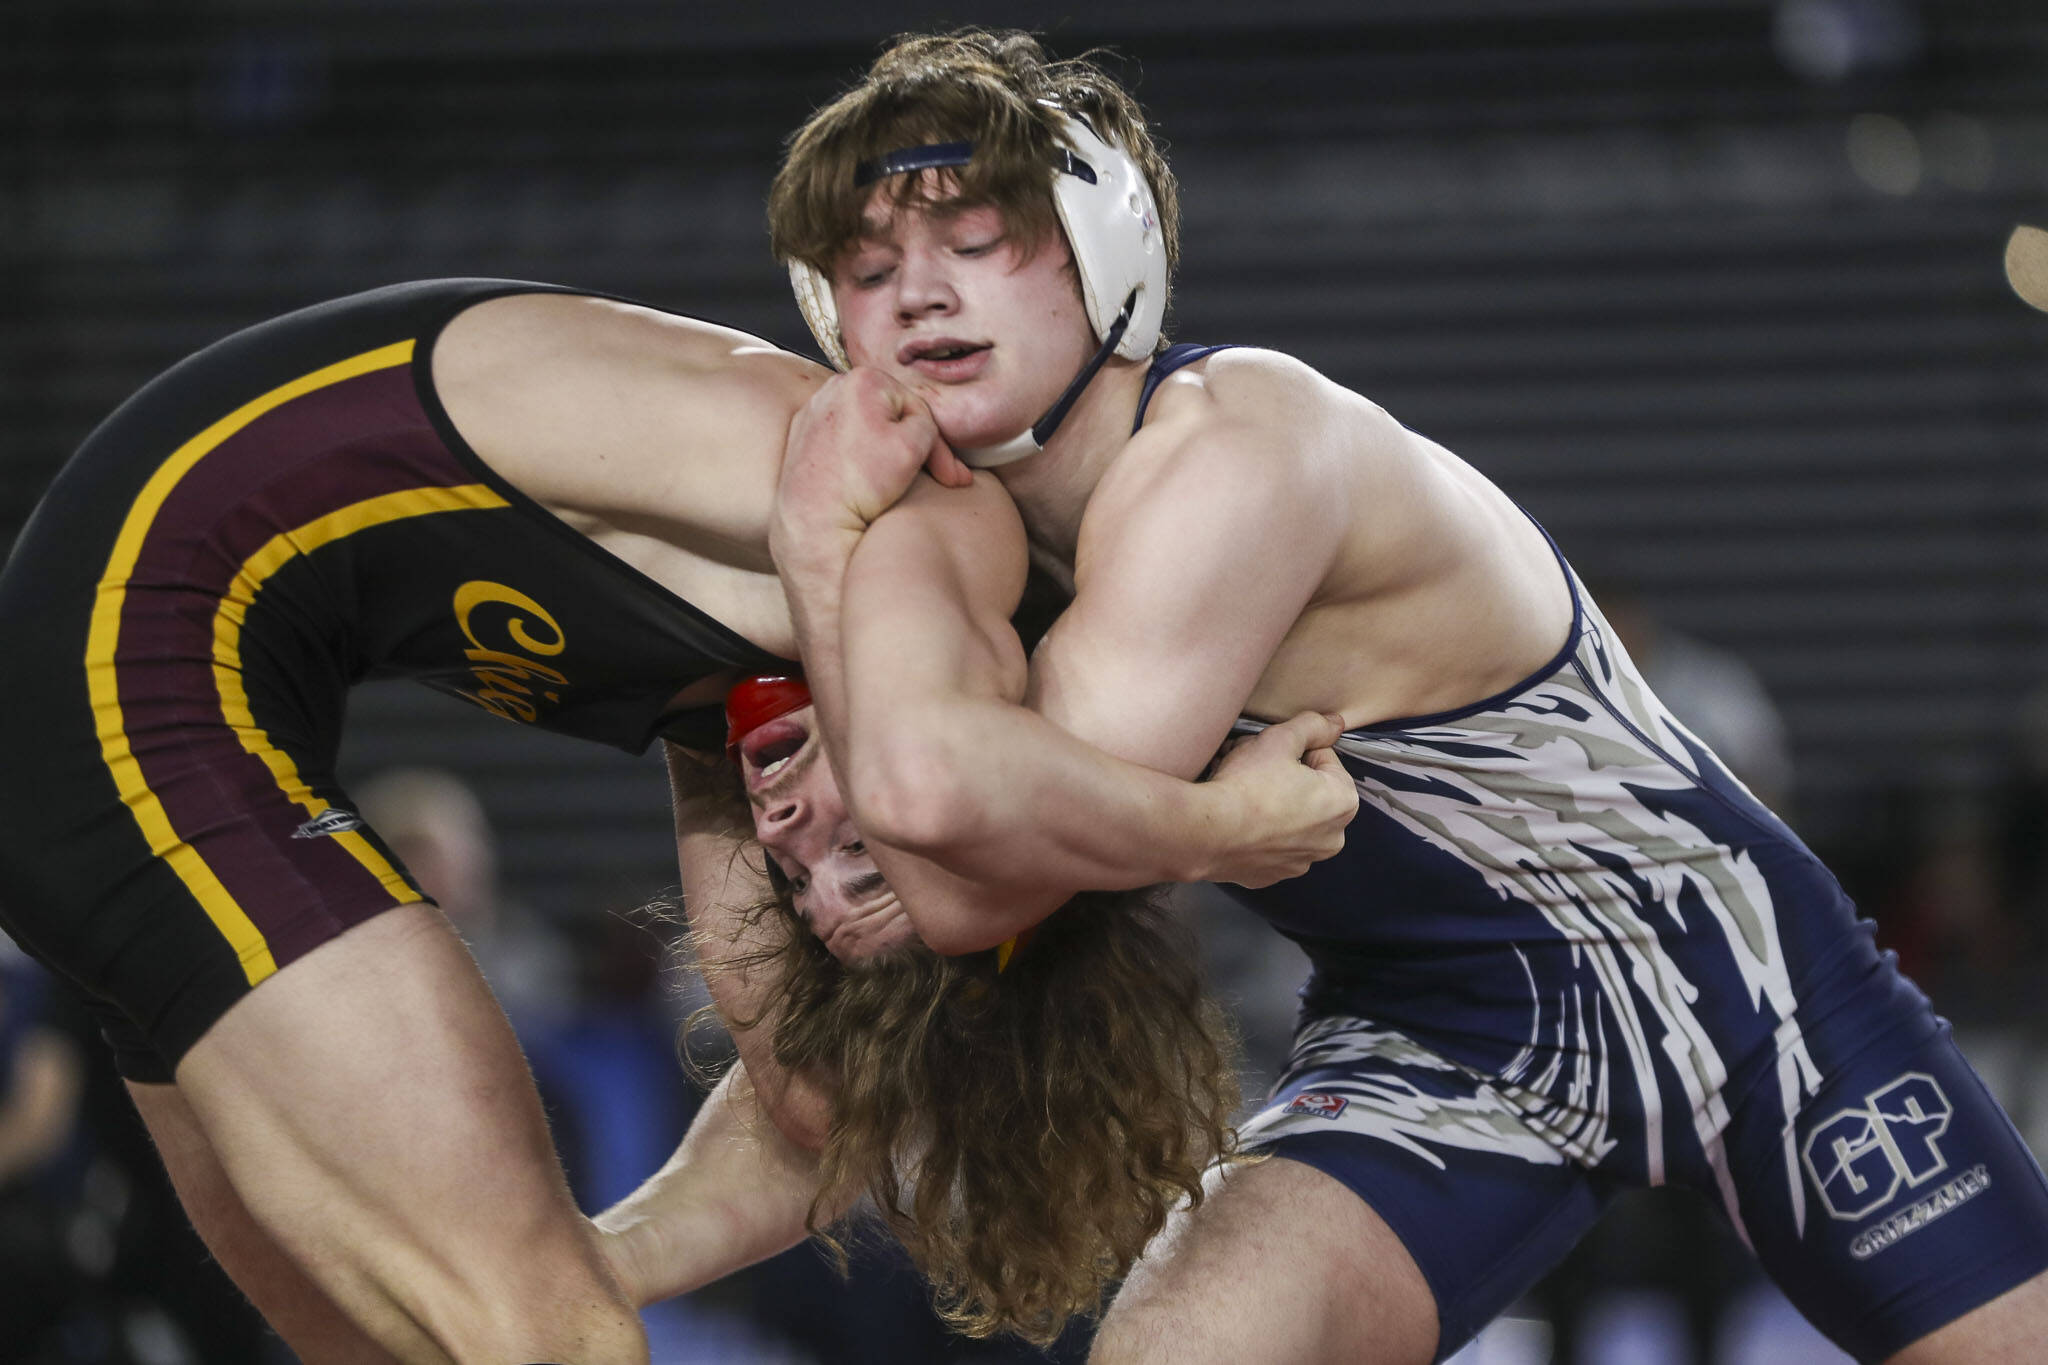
{"type": "Point", "coordinates": [1023, 1133]}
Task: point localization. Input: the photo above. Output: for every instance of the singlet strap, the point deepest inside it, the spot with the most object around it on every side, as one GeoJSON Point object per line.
{"type": "Point", "coordinates": [1164, 364]}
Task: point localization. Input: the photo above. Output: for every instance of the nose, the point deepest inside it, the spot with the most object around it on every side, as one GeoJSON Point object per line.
{"type": "Point", "coordinates": [782, 814]}
{"type": "Point", "coordinates": [824, 912]}
{"type": "Point", "coordinates": [923, 287]}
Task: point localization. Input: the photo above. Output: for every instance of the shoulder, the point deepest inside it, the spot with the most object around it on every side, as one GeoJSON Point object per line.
{"type": "Point", "coordinates": [1253, 388]}
{"type": "Point", "coordinates": [1259, 419]}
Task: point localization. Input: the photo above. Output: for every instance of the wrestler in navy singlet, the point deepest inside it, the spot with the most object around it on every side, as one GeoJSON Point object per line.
{"type": "Point", "coordinates": [278, 517]}
{"type": "Point", "coordinates": [1565, 951]}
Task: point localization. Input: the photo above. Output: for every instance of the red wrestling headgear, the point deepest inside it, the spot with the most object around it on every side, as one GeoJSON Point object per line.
{"type": "Point", "coordinates": [755, 701]}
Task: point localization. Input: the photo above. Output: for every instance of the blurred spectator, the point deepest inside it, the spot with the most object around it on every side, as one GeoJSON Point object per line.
{"type": "Point", "coordinates": [2022, 834]}
{"type": "Point", "coordinates": [41, 1079]}
{"type": "Point", "coordinates": [1948, 916]}
{"type": "Point", "coordinates": [432, 820]}
{"type": "Point", "coordinates": [1712, 691]}
{"type": "Point", "coordinates": [41, 1073]}
{"type": "Point", "coordinates": [98, 1263]}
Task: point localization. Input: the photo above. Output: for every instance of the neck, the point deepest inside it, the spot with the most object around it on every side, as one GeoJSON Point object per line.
{"type": "Point", "coordinates": [1052, 488]}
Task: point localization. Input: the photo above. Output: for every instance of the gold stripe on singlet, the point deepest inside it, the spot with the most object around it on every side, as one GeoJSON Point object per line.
{"type": "Point", "coordinates": [280, 550]}
{"type": "Point", "coordinates": [104, 637]}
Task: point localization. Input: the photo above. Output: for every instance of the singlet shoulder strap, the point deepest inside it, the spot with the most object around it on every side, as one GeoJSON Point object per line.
{"type": "Point", "coordinates": [1164, 364]}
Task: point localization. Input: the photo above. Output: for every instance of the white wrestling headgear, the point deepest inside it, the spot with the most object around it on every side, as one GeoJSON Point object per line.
{"type": "Point", "coordinates": [1105, 207]}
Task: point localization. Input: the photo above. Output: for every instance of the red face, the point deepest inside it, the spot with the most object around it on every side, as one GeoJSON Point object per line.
{"type": "Point", "coordinates": [802, 822]}
{"type": "Point", "coordinates": [984, 329]}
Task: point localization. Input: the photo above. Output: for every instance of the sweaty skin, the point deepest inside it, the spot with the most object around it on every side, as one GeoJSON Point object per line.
{"type": "Point", "coordinates": [1270, 542]}
{"type": "Point", "coordinates": [525, 376]}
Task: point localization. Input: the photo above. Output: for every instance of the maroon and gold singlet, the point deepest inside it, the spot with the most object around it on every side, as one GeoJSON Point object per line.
{"type": "Point", "coordinates": [280, 516]}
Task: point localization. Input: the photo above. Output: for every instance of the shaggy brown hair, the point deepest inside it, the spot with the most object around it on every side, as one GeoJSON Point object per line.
{"type": "Point", "coordinates": [990, 89]}
{"type": "Point", "coordinates": [1024, 1134]}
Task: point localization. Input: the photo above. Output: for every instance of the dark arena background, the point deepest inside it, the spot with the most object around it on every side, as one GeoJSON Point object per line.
{"type": "Point", "coordinates": [1730, 294]}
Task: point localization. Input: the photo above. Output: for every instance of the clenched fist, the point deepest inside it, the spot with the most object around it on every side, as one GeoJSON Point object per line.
{"type": "Point", "coordinates": [1289, 800]}
{"type": "Point", "coordinates": [852, 452]}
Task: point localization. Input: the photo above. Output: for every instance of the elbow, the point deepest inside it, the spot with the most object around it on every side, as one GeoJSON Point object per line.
{"type": "Point", "coordinates": [801, 1113]}
{"type": "Point", "coordinates": [917, 795]}
{"type": "Point", "coordinates": [802, 1127]}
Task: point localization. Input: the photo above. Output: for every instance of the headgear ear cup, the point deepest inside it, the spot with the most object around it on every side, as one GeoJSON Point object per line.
{"type": "Point", "coordinates": [752, 702]}
{"type": "Point", "coordinates": [821, 314]}
{"type": "Point", "coordinates": [1112, 226]}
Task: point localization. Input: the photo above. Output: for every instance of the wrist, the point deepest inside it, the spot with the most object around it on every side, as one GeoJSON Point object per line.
{"type": "Point", "coordinates": [620, 1237]}
{"type": "Point", "coordinates": [813, 545]}
{"type": "Point", "coordinates": [1213, 821]}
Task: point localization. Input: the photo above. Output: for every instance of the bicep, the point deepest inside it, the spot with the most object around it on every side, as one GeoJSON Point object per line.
{"type": "Point", "coordinates": [1185, 594]}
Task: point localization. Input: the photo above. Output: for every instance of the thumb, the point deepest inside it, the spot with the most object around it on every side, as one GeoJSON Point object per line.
{"type": "Point", "coordinates": [945, 466]}
{"type": "Point", "coordinates": [1314, 730]}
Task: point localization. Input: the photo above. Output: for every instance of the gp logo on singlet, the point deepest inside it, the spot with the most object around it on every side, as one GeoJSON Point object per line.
{"type": "Point", "coordinates": [1860, 1157]}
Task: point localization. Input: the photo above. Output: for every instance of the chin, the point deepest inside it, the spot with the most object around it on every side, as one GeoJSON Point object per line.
{"type": "Point", "coordinates": [970, 421]}
{"type": "Point", "coordinates": [978, 433]}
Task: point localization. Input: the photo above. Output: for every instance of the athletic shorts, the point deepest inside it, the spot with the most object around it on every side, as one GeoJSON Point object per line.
{"type": "Point", "coordinates": [1894, 1199]}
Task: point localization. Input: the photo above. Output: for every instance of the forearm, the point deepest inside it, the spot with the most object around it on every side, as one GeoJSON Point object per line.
{"type": "Point", "coordinates": [737, 946]}
{"type": "Point", "coordinates": [735, 1192]}
{"type": "Point", "coordinates": [941, 759]}
{"type": "Point", "coordinates": [996, 794]}
{"type": "Point", "coordinates": [915, 635]}
{"type": "Point", "coordinates": [812, 555]}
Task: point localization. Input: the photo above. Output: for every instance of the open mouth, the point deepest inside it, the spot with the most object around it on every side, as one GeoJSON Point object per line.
{"type": "Point", "coordinates": [942, 355]}
{"type": "Point", "coordinates": [767, 749]}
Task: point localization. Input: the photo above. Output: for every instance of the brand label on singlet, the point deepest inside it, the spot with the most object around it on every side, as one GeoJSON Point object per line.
{"type": "Point", "coordinates": [1319, 1104]}
{"type": "Point", "coordinates": [333, 820]}
{"type": "Point", "coordinates": [1920, 1213]}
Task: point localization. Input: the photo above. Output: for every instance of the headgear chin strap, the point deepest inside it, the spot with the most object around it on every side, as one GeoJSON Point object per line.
{"type": "Point", "coordinates": [1106, 208]}
{"type": "Point", "coordinates": [752, 702]}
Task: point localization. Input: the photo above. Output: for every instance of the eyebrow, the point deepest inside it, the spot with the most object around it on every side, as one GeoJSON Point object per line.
{"type": "Point", "coordinates": [863, 885]}
{"type": "Point", "coordinates": [946, 210]}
